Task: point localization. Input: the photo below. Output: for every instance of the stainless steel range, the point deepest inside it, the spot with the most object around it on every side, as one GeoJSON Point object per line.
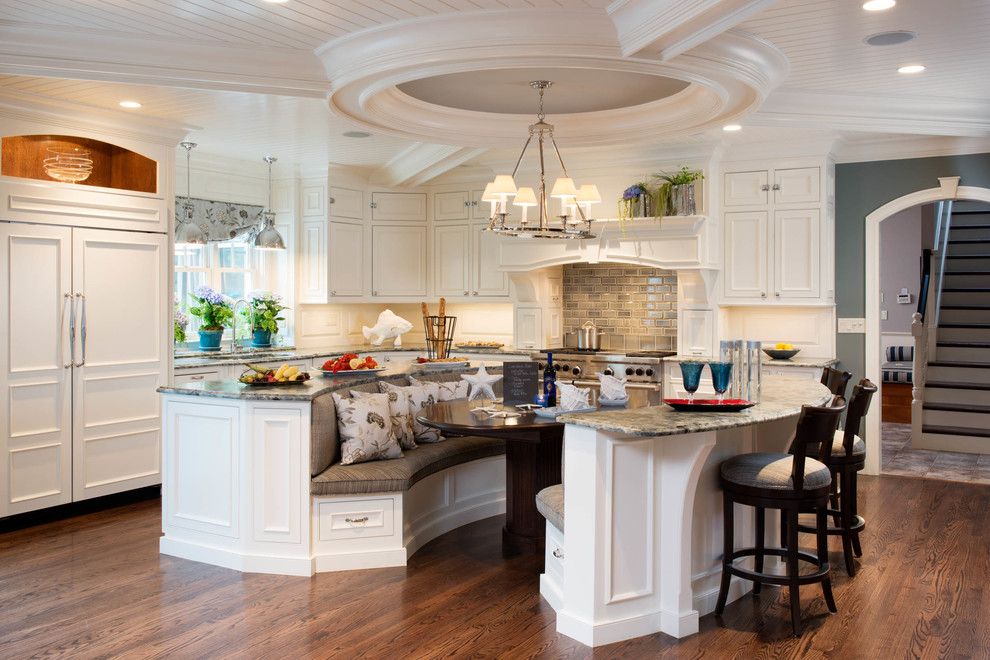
{"type": "Point", "coordinates": [643, 370]}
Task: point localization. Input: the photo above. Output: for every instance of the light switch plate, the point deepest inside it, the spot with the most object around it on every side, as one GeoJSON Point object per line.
{"type": "Point", "coordinates": [852, 326]}
{"type": "Point", "coordinates": [883, 315]}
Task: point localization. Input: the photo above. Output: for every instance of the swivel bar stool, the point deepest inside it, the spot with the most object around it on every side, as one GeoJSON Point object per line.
{"type": "Point", "coordinates": [793, 483]}
{"type": "Point", "coordinates": [836, 381]}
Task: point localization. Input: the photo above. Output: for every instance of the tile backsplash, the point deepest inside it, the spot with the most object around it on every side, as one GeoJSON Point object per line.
{"type": "Point", "coordinates": [634, 308]}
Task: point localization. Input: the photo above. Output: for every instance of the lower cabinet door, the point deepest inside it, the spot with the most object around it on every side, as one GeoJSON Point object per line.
{"type": "Point", "coordinates": [398, 261]}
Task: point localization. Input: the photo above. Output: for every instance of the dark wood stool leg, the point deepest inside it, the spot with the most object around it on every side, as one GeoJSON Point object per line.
{"type": "Point", "coordinates": [792, 570]}
{"type": "Point", "coordinates": [761, 532]}
{"type": "Point", "coordinates": [783, 528]}
{"type": "Point", "coordinates": [857, 548]}
{"type": "Point", "coordinates": [847, 522]}
{"type": "Point", "coordinates": [833, 497]}
{"type": "Point", "coordinates": [821, 521]}
{"type": "Point", "coordinates": [728, 547]}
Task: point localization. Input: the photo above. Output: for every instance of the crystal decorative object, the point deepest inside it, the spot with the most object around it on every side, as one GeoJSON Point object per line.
{"type": "Point", "coordinates": [70, 164]}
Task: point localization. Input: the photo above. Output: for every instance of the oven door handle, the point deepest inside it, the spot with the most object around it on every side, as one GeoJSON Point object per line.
{"type": "Point", "coordinates": [631, 386]}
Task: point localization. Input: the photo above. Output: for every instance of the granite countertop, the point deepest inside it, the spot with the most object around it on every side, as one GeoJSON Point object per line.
{"type": "Point", "coordinates": [796, 361]}
{"type": "Point", "coordinates": [194, 359]}
{"type": "Point", "coordinates": [782, 397]}
{"type": "Point", "coordinates": [307, 391]}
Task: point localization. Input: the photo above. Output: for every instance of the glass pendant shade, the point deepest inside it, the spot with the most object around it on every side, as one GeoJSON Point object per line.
{"type": "Point", "coordinates": [563, 187]}
{"type": "Point", "coordinates": [503, 185]}
{"type": "Point", "coordinates": [525, 196]}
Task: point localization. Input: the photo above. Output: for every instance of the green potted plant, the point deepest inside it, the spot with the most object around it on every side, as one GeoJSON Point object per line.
{"type": "Point", "coordinates": [640, 200]}
{"type": "Point", "coordinates": [179, 323]}
{"type": "Point", "coordinates": [678, 190]}
{"type": "Point", "coordinates": [216, 313]}
{"type": "Point", "coordinates": [263, 316]}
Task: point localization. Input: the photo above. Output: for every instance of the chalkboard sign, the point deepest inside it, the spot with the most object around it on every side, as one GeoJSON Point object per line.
{"type": "Point", "coordinates": [519, 382]}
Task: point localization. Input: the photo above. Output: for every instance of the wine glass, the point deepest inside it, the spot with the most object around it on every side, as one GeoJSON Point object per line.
{"type": "Point", "coordinates": [691, 373]}
{"type": "Point", "coordinates": [721, 375]}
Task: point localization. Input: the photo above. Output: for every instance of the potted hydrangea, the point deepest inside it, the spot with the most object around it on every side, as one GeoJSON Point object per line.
{"type": "Point", "coordinates": [179, 323]}
{"type": "Point", "coordinates": [216, 313]}
{"type": "Point", "coordinates": [263, 316]}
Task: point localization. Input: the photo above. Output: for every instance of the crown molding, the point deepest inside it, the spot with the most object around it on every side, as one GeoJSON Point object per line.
{"type": "Point", "coordinates": [902, 147]}
{"type": "Point", "coordinates": [667, 28]}
{"type": "Point", "coordinates": [32, 50]}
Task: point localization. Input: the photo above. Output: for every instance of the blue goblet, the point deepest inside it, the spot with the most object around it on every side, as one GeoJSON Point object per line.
{"type": "Point", "coordinates": [721, 375]}
{"type": "Point", "coordinates": [691, 373]}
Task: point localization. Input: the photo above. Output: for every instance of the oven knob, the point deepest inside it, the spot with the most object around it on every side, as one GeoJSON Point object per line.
{"type": "Point", "coordinates": [629, 371]}
{"type": "Point", "coordinates": [567, 367]}
{"type": "Point", "coordinates": [576, 371]}
{"type": "Point", "coordinates": [608, 372]}
{"type": "Point", "coordinates": [639, 372]}
{"type": "Point", "coordinates": [649, 372]}
{"type": "Point", "coordinates": [556, 367]}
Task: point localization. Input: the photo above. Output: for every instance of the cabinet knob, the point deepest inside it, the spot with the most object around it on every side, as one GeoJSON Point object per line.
{"type": "Point", "coordinates": [475, 293]}
{"type": "Point", "coordinates": [777, 294]}
{"type": "Point", "coordinates": [333, 293]}
{"type": "Point", "coordinates": [465, 293]}
{"type": "Point", "coordinates": [765, 187]}
{"type": "Point", "coordinates": [467, 203]}
{"type": "Point", "coordinates": [763, 295]}
{"type": "Point", "coordinates": [331, 200]}
{"type": "Point", "coordinates": [776, 186]}
{"type": "Point", "coordinates": [374, 205]}
{"type": "Point", "coordinates": [374, 293]}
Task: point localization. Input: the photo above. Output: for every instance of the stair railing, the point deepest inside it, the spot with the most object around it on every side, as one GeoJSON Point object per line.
{"type": "Point", "coordinates": [940, 248]}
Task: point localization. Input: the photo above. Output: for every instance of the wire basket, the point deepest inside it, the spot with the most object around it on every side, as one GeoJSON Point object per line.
{"type": "Point", "coordinates": [439, 336]}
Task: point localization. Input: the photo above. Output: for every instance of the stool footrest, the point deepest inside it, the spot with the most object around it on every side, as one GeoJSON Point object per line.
{"type": "Point", "coordinates": [831, 530]}
{"type": "Point", "coordinates": [773, 578]}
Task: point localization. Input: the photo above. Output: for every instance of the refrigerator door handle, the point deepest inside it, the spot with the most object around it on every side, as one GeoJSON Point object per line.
{"type": "Point", "coordinates": [67, 300]}
{"type": "Point", "coordinates": [82, 329]}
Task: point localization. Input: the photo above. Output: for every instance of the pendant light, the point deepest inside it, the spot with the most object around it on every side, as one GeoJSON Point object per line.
{"type": "Point", "coordinates": [269, 238]}
{"type": "Point", "coordinates": [188, 232]}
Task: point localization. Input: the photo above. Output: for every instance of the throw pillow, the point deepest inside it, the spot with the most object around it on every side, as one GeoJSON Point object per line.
{"type": "Point", "coordinates": [364, 429]}
{"type": "Point", "coordinates": [449, 390]}
{"type": "Point", "coordinates": [419, 398]}
{"type": "Point", "coordinates": [402, 421]}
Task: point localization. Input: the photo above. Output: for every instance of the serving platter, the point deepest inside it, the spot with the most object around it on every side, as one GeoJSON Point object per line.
{"type": "Point", "coordinates": [441, 365]}
{"type": "Point", "coordinates": [350, 372]}
{"type": "Point", "coordinates": [709, 405]}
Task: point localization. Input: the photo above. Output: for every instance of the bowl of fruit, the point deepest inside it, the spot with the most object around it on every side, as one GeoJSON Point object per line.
{"type": "Point", "coordinates": [350, 363]}
{"type": "Point", "coordinates": [284, 375]}
{"type": "Point", "coordinates": [781, 351]}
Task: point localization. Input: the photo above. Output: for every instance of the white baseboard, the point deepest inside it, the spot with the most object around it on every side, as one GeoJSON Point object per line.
{"type": "Point", "coordinates": [607, 633]}
{"type": "Point", "coordinates": [237, 561]}
{"type": "Point", "coordinates": [355, 561]}
{"type": "Point", "coordinates": [550, 590]}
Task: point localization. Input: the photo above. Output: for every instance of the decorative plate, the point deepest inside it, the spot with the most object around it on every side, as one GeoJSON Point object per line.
{"type": "Point", "coordinates": [613, 402]}
{"type": "Point", "coordinates": [709, 405]}
{"type": "Point", "coordinates": [551, 413]}
{"type": "Point", "coordinates": [349, 372]}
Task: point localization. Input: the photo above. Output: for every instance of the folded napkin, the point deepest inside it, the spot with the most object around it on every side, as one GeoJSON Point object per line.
{"type": "Point", "coordinates": [570, 397]}
{"type": "Point", "coordinates": [612, 388]}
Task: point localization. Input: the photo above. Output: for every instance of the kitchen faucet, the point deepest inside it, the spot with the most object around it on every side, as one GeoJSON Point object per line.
{"type": "Point", "coordinates": [233, 344]}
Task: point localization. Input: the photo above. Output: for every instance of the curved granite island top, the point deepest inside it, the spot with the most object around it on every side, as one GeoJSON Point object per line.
{"type": "Point", "coordinates": [782, 397]}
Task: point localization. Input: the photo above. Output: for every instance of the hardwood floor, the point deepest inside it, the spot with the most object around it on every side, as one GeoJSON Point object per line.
{"type": "Point", "coordinates": [95, 586]}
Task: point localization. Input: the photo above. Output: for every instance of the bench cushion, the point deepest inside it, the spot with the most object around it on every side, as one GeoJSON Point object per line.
{"type": "Point", "coordinates": [772, 471]}
{"type": "Point", "coordinates": [550, 504]}
{"type": "Point", "coordinates": [400, 474]}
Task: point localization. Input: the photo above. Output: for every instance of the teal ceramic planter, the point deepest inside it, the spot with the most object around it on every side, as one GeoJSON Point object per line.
{"type": "Point", "coordinates": [261, 338]}
{"type": "Point", "coordinates": [209, 340]}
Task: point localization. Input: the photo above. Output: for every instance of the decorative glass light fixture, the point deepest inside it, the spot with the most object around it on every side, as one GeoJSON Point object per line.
{"type": "Point", "coordinates": [269, 238]}
{"type": "Point", "coordinates": [68, 164]}
{"type": "Point", "coordinates": [575, 204]}
{"type": "Point", "coordinates": [188, 232]}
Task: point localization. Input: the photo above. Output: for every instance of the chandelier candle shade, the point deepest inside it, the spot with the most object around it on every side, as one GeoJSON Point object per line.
{"type": "Point", "coordinates": [575, 203]}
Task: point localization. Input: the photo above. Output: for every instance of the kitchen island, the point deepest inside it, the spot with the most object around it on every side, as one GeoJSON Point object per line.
{"type": "Point", "coordinates": [641, 544]}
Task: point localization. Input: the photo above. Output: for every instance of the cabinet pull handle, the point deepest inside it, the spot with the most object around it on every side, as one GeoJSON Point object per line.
{"type": "Point", "coordinates": [332, 200]}
{"type": "Point", "coordinates": [765, 187]}
{"type": "Point", "coordinates": [200, 377]}
{"type": "Point", "coordinates": [465, 293]}
{"type": "Point", "coordinates": [467, 204]}
{"type": "Point", "coordinates": [776, 186]}
{"type": "Point", "coordinates": [82, 330]}
{"type": "Point", "coordinates": [374, 205]}
{"type": "Point", "coordinates": [374, 293]}
{"type": "Point", "coordinates": [333, 293]}
{"type": "Point", "coordinates": [66, 298]}
{"type": "Point", "coordinates": [357, 521]}
{"type": "Point", "coordinates": [763, 295]}
{"type": "Point", "coordinates": [475, 293]}
{"type": "Point", "coordinates": [474, 202]}
{"type": "Point", "coordinates": [558, 553]}
{"type": "Point", "coordinates": [777, 294]}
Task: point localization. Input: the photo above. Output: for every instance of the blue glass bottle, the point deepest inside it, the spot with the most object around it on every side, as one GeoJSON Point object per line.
{"type": "Point", "coordinates": [550, 383]}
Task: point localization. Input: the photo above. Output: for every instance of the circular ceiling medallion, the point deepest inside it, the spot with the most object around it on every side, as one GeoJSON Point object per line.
{"type": "Point", "coordinates": [891, 38]}
{"type": "Point", "coordinates": [508, 91]}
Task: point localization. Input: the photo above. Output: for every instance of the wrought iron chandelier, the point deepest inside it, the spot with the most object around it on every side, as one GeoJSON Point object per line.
{"type": "Point", "coordinates": [573, 221]}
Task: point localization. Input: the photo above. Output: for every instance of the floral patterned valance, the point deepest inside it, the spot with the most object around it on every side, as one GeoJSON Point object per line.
{"type": "Point", "coordinates": [222, 221]}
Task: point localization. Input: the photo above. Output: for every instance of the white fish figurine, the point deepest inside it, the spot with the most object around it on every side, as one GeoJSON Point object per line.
{"type": "Point", "coordinates": [388, 326]}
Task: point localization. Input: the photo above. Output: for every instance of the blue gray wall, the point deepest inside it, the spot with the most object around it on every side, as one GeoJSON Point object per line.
{"type": "Point", "coordinates": [860, 189]}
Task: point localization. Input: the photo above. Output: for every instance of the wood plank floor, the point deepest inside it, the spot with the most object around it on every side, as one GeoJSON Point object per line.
{"type": "Point", "coordinates": [95, 586]}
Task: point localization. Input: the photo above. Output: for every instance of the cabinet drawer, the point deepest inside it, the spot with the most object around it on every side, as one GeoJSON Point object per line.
{"type": "Point", "coordinates": [356, 519]}
{"type": "Point", "coordinates": [184, 377]}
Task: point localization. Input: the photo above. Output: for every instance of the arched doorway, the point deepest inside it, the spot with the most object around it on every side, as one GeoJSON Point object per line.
{"type": "Point", "coordinates": [949, 189]}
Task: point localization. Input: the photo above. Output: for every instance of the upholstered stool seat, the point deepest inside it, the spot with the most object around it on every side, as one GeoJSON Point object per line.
{"type": "Point", "coordinates": [550, 504]}
{"type": "Point", "coordinates": [839, 449]}
{"type": "Point", "coordinates": [772, 472]}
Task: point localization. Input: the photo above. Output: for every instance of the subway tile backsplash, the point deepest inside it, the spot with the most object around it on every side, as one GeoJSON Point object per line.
{"type": "Point", "coordinates": [634, 308]}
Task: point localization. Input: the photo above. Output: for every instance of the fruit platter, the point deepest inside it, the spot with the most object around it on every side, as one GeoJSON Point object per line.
{"type": "Point", "coordinates": [350, 363]}
{"type": "Point", "coordinates": [284, 375]}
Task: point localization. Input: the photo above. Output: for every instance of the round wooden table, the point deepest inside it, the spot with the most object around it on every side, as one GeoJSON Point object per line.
{"type": "Point", "coordinates": [533, 447]}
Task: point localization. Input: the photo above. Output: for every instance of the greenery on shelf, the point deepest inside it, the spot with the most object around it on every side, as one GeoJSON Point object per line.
{"type": "Point", "coordinates": [263, 313]}
{"type": "Point", "coordinates": [658, 193]}
{"type": "Point", "coordinates": [213, 308]}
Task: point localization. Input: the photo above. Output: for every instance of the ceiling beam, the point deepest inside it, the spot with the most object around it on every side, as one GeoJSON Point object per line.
{"type": "Point", "coordinates": [666, 28]}
{"type": "Point", "coordinates": [423, 162]}
{"type": "Point", "coordinates": [31, 50]}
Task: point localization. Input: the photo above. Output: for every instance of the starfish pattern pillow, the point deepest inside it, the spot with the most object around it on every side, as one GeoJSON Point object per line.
{"type": "Point", "coordinates": [365, 429]}
{"type": "Point", "coordinates": [449, 390]}
{"type": "Point", "coordinates": [419, 397]}
{"type": "Point", "coordinates": [398, 410]}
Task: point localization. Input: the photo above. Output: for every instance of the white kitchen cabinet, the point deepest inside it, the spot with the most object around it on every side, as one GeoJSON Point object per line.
{"type": "Point", "coordinates": [797, 254]}
{"type": "Point", "coordinates": [399, 266]}
{"type": "Point", "coordinates": [313, 199]}
{"type": "Point", "coordinates": [313, 246]}
{"type": "Point", "coordinates": [746, 255]}
{"type": "Point", "coordinates": [346, 259]}
{"type": "Point", "coordinates": [529, 327]}
{"type": "Point", "coordinates": [488, 280]}
{"type": "Point", "coordinates": [346, 203]}
{"type": "Point", "coordinates": [479, 210]}
{"type": "Point", "coordinates": [452, 260]}
{"type": "Point", "coordinates": [452, 206]}
{"type": "Point", "coordinates": [797, 185]}
{"type": "Point", "coordinates": [398, 207]}
{"type": "Point", "coordinates": [187, 376]}
{"type": "Point", "coordinates": [746, 188]}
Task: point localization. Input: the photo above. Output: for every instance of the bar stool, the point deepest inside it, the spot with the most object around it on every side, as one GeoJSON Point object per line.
{"type": "Point", "coordinates": [794, 484]}
{"type": "Point", "coordinates": [836, 381]}
{"type": "Point", "coordinates": [847, 457]}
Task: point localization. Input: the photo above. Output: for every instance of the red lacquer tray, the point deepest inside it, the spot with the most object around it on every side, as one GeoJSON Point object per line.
{"type": "Point", "coordinates": [709, 405]}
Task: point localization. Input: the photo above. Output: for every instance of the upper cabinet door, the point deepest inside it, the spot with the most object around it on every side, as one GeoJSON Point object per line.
{"type": "Point", "coordinates": [398, 207]}
{"type": "Point", "coordinates": [313, 262]}
{"type": "Point", "coordinates": [452, 260]}
{"type": "Point", "coordinates": [35, 367]}
{"type": "Point", "coordinates": [451, 206]}
{"type": "Point", "coordinates": [800, 185]}
{"type": "Point", "coordinates": [314, 198]}
{"type": "Point", "coordinates": [398, 261]}
{"type": "Point", "coordinates": [346, 259]}
{"type": "Point", "coordinates": [746, 255]}
{"type": "Point", "coordinates": [479, 210]}
{"type": "Point", "coordinates": [346, 203]}
{"type": "Point", "coordinates": [488, 279]}
{"type": "Point", "coordinates": [797, 238]}
{"type": "Point", "coordinates": [124, 311]}
{"type": "Point", "coordinates": [746, 188]}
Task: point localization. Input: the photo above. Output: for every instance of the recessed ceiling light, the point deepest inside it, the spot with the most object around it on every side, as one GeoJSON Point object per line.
{"type": "Point", "coordinates": [130, 104]}
{"type": "Point", "coordinates": [730, 128]}
{"type": "Point", "coordinates": [356, 134]}
{"type": "Point", "coordinates": [891, 38]}
{"type": "Point", "coordinates": [911, 68]}
{"type": "Point", "coordinates": [878, 5]}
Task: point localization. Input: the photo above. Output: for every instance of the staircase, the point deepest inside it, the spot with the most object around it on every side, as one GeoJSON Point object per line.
{"type": "Point", "coordinates": [956, 396]}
